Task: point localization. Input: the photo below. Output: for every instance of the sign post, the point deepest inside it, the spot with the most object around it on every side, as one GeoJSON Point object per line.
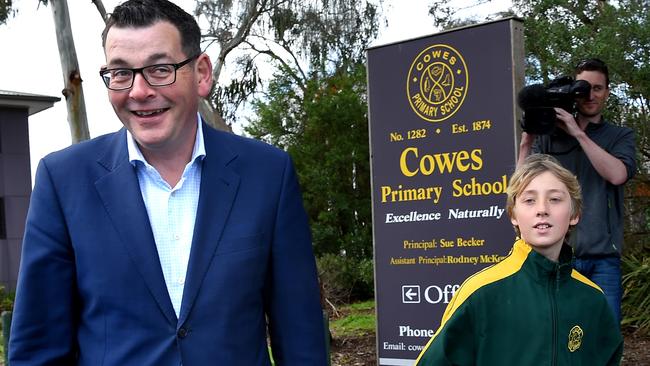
{"type": "Point", "coordinates": [442, 139]}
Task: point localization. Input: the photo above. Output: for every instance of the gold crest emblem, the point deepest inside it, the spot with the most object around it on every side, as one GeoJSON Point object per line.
{"type": "Point", "coordinates": [437, 83]}
{"type": "Point", "coordinates": [575, 338]}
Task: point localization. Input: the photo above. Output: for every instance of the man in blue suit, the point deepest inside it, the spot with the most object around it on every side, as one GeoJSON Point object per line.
{"type": "Point", "coordinates": [167, 242]}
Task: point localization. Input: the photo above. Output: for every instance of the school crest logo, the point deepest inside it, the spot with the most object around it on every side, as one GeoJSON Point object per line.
{"type": "Point", "coordinates": [437, 83]}
{"type": "Point", "coordinates": [575, 338]}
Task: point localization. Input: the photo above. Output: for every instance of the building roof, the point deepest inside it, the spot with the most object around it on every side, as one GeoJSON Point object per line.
{"type": "Point", "coordinates": [33, 102]}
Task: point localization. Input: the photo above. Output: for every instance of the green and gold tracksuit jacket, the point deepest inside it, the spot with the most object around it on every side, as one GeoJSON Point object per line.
{"type": "Point", "coordinates": [526, 310]}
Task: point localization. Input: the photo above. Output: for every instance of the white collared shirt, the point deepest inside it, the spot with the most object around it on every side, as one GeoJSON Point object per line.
{"type": "Point", "coordinates": [172, 212]}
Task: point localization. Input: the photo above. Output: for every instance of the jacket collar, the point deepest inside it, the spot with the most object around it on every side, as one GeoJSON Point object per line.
{"type": "Point", "coordinates": [541, 268]}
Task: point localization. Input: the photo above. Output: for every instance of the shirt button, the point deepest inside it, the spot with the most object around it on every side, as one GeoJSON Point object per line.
{"type": "Point", "coordinates": [181, 280]}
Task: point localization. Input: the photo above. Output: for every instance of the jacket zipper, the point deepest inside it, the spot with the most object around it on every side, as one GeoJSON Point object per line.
{"type": "Point", "coordinates": [554, 289]}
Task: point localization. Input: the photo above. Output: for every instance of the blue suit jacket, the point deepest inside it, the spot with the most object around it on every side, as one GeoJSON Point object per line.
{"type": "Point", "coordinates": [91, 290]}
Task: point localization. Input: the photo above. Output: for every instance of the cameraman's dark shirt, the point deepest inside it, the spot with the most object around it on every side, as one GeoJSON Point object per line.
{"type": "Point", "coordinates": [600, 229]}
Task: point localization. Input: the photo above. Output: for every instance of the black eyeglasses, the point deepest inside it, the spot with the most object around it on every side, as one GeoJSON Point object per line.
{"type": "Point", "coordinates": [156, 75]}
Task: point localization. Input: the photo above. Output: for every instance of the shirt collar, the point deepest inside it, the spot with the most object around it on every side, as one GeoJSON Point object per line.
{"type": "Point", "coordinates": [197, 152]}
{"type": "Point", "coordinates": [596, 125]}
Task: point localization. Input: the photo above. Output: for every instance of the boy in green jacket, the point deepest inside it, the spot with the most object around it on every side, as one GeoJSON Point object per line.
{"type": "Point", "coordinates": [532, 308]}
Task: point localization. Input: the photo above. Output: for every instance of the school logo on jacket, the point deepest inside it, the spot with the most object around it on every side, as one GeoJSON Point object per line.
{"type": "Point", "coordinates": [575, 338]}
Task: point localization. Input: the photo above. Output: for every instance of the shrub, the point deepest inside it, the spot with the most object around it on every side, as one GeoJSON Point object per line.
{"type": "Point", "coordinates": [344, 279]}
{"type": "Point", "coordinates": [6, 300]}
{"type": "Point", "coordinates": [636, 287]}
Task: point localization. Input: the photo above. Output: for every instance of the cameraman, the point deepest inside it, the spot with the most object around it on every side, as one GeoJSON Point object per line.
{"type": "Point", "coordinates": [602, 156]}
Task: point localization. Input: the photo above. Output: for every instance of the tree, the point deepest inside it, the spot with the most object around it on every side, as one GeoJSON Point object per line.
{"type": "Point", "coordinates": [316, 108]}
{"type": "Point", "coordinates": [560, 33]}
{"type": "Point", "coordinates": [73, 90]}
{"type": "Point", "coordinates": [6, 11]}
{"type": "Point", "coordinates": [295, 35]}
{"type": "Point", "coordinates": [326, 132]}
{"type": "Point", "coordinates": [444, 14]}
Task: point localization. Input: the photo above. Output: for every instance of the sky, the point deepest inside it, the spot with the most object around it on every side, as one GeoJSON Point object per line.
{"type": "Point", "coordinates": [30, 60]}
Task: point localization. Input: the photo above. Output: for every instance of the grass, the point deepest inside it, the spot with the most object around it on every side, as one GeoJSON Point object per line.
{"type": "Point", "coordinates": [354, 320]}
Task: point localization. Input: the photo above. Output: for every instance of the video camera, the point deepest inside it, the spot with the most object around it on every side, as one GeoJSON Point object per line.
{"type": "Point", "coordinates": [538, 101]}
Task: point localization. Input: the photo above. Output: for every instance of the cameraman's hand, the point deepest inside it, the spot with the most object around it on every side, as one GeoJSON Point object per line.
{"type": "Point", "coordinates": [525, 146]}
{"type": "Point", "coordinates": [526, 141]}
{"type": "Point", "coordinates": [567, 123]}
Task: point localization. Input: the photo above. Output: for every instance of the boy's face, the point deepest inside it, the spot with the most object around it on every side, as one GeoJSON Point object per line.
{"type": "Point", "coordinates": [542, 211]}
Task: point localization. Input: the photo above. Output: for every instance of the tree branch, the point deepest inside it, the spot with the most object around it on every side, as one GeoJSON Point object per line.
{"type": "Point", "coordinates": [248, 20]}
{"type": "Point", "coordinates": [301, 80]}
{"type": "Point", "coordinates": [101, 9]}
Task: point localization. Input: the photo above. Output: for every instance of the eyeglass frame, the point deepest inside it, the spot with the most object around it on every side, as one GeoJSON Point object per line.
{"type": "Point", "coordinates": [140, 70]}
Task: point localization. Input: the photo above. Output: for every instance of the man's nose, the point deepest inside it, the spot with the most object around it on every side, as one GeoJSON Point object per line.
{"type": "Point", "coordinates": [140, 87]}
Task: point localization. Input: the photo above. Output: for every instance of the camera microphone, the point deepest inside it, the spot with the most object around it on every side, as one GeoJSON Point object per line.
{"type": "Point", "coordinates": [532, 96]}
{"type": "Point", "coordinates": [539, 116]}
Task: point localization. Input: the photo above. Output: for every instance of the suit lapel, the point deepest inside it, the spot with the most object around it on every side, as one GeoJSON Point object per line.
{"type": "Point", "coordinates": [119, 190]}
{"type": "Point", "coordinates": [219, 184]}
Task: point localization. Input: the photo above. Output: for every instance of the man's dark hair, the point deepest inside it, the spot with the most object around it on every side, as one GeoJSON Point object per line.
{"type": "Point", "coordinates": [143, 13]}
{"type": "Point", "coordinates": [593, 64]}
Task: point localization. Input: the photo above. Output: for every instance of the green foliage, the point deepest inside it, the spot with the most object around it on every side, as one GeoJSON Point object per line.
{"type": "Point", "coordinates": [559, 33]}
{"type": "Point", "coordinates": [6, 300]}
{"type": "Point", "coordinates": [444, 13]}
{"type": "Point", "coordinates": [5, 11]}
{"type": "Point", "coordinates": [345, 279]}
{"type": "Point", "coordinates": [229, 98]}
{"type": "Point", "coordinates": [636, 287]}
{"type": "Point", "coordinates": [325, 129]}
{"type": "Point", "coordinates": [6, 304]}
{"type": "Point", "coordinates": [303, 39]}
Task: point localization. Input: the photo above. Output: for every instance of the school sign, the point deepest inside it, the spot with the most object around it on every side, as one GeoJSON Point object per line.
{"type": "Point", "coordinates": [443, 128]}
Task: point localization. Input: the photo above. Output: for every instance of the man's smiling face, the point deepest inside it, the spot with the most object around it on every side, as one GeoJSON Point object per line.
{"type": "Point", "coordinates": [160, 118]}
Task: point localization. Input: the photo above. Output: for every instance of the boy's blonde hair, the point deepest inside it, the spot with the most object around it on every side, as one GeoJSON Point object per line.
{"type": "Point", "coordinates": [535, 165]}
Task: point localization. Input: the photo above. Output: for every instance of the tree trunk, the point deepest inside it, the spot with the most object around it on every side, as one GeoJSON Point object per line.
{"type": "Point", "coordinates": [211, 116]}
{"type": "Point", "coordinates": [73, 91]}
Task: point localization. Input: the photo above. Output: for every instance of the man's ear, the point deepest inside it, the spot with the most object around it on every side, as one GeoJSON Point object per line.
{"type": "Point", "coordinates": [204, 74]}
